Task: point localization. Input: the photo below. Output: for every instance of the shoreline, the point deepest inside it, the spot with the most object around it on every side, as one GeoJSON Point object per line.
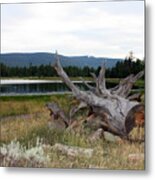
{"type": "Point", "coordinates": [27, 81]}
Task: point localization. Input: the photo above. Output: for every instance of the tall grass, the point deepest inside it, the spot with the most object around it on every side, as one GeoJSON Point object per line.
{"type": "Point", "coordinates": [26, 130]}
{"type": "Point", "coordinates": [17, 105]}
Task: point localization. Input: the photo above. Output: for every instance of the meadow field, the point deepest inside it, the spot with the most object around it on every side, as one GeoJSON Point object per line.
{"type": "Point", "coordinates": [27, 141]}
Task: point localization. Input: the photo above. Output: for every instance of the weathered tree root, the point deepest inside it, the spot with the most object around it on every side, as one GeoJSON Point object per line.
{"type": "Point", "coordinates": [115, 106]}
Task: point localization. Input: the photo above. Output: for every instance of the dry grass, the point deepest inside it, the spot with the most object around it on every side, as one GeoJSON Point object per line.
{"type": "Point", "coordinates": [14, 108]}
{"type": "Point", "coordinates": [21, 127]}
{"type": "Point", "coordinates": [26, 130]}
{"type": "Point", "coordinates": [106, 156]}
{"type": "Point", "coordinates": [11, 105]}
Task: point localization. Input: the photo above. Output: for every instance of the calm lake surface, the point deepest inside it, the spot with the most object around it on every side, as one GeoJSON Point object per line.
{"type": "Point", "coordinates": [13, 87]}
{"type": "Point", "coordinates": [26, 87]}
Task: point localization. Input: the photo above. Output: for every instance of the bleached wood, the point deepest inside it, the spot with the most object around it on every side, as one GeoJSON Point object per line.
{"type": "Point", "coordinates": [73, 151]}
{"type": "Point", "coordinates": [56, 112]}
{"type": "Point", "coordinates": [113, 102]}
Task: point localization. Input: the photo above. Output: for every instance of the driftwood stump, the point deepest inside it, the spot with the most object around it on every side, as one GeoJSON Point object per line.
{"type": "Point", "coordinates": [115, 106]}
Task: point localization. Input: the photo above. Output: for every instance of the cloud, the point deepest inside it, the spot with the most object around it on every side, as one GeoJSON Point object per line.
{"type": "Point", "coordinates": [73, 29]}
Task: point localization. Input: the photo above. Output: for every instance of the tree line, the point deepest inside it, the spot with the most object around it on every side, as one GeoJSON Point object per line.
{"type": "Point", "coordinates": [122, 69]}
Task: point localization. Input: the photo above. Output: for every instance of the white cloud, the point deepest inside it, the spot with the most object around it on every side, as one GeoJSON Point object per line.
{"type": "Point", "coordinates": [73, 29]}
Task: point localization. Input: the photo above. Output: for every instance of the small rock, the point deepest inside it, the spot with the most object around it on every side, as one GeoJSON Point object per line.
{"type": "Point", "coordinates": [109, 137]}
{"type": "Point", "coordinates": [112, 138]}
{"type": "Point", "coordinates": [96, 135]}
{"type": "Point", "coordinates": [73, 151]}
{"type": "Point", "coordinates": [136, 157]}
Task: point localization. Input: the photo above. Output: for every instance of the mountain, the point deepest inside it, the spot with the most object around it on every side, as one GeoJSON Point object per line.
{"type": "Point", "coordinates": [36, 59]}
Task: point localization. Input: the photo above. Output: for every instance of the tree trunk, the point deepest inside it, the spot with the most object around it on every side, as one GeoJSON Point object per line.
{"type": "Point", "coordinates": [114, 104]}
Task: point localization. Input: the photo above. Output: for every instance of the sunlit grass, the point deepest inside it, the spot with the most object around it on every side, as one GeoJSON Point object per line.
{"type": "Point", "coordinates": [17, 105]}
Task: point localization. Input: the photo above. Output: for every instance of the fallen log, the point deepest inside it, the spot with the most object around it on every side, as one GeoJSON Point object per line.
{"type": "Point", "coordinates": [115, 105]}
{"type": "Point", "coordinates": [58, 119]}
{"type": "Point", "coordinates": [73, 151]}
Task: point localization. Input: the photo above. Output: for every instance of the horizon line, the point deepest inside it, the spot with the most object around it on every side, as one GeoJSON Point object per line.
{"type": "Point", "coordinates": [79, 55]}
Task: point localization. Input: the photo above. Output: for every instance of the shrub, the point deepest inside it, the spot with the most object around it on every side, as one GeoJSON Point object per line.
{"type": "Point", "coordinates": [16, 155]}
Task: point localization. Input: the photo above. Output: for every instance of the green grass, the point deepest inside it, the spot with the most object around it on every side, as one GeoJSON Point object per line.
{"type": "Point", "coordinates": [16, 105]}
{"type": "Point", "coordinates": [42, 98]}
{"type": "Point", "coordinates": [46, 78]}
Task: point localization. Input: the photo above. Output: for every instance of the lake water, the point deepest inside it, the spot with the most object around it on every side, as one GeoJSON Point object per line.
{"type": "Point", "coordinates": [22, 87]}
{"type": "Point", "coordinates": [14, 87]}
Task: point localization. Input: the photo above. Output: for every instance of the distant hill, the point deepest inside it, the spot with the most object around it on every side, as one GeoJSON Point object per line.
{"type": "Point", "coordinates": [36, 59]}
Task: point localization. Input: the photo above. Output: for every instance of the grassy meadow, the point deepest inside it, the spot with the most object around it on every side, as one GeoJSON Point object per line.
{"type": "Point", "coordinates": [24, 120]}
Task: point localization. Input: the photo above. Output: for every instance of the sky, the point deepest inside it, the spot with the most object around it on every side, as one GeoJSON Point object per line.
{"type": "Point", "coordinates": [104, 29]}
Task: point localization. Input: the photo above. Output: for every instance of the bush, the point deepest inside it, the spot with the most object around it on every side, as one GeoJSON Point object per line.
{"type": "Point", "coordinates": [16, 155]}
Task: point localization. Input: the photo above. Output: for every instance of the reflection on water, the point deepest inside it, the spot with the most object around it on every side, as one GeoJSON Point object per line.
{"type": "Point", "coordinates": [37, 88]}
{"type": "Point", "coordinates": [41, 88]}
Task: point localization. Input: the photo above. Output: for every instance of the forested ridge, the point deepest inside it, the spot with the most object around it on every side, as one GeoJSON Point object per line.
{"type": "Point", "coordinates": [122, 69]}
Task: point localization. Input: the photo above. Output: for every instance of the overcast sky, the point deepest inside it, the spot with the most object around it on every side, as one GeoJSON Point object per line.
{"type": "Point", "coordinates": [107, 29]}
